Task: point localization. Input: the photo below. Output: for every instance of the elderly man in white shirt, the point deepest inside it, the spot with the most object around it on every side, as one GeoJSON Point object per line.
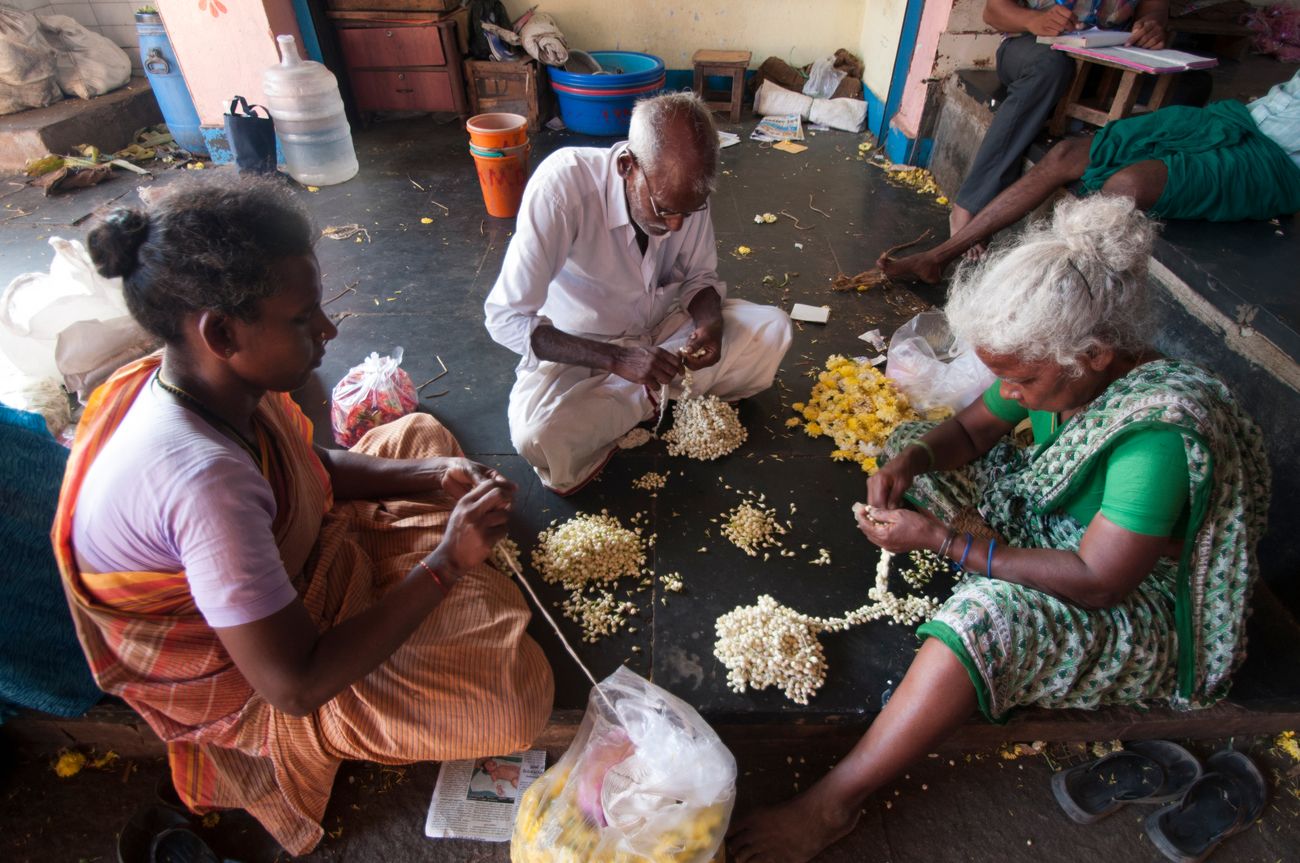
{"type": "Point", "coordinates": [610, 287]}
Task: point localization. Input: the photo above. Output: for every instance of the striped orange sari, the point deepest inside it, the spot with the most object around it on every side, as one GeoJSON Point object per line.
{"type": "Point", "coordinates": [469, 681]}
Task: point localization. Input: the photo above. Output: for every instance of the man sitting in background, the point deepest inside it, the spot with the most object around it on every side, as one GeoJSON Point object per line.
{"type": "Point", "coordinates": [1036, 77]}
{"type": "Point", "coordinates": [609, 288]}
{"type": "Point", "coordinates": [1222, 163]}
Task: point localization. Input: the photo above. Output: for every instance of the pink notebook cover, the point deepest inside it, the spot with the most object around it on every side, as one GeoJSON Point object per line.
{"type": "Point", "coordinates": [1144, 60]}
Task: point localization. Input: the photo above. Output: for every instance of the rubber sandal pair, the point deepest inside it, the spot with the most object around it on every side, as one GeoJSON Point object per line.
{"type": "Point", "coordinates": [1226, 800]}
{"type": "Point", "coordinates": [1146, 771]}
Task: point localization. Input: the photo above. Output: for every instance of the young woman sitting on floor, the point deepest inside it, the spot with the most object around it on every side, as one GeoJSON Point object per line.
{"type": "Point", "coordinates": [1109, 563]}
{"type": "Point", "coordinates": [271, 608]}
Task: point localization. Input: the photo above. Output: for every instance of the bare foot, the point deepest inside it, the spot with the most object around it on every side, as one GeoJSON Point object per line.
{"type": "Point", "coordinates": [975, 252]}
{"type": "Point", "coordinates": [793, 832]}
{"type": "Point", "coordinates": [913, 268]}
{"type": "Point", "coordinates": [958, 218]}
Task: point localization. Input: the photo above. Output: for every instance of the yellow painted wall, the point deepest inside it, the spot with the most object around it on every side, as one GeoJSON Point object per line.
{"type": "Point", "coordinates": [797, 32]}
{"type": "Point", "coordinates": [882, 21]}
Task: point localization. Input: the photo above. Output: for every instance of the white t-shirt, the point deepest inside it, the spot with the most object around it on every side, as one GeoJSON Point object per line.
{"type": "Point", "coordinates": [169, 492]}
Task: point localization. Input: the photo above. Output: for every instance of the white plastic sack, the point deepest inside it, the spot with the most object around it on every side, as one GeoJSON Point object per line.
{"type": "Point", "coordinates": [27, 64]}
{"type": "Point", "coordinates": [646, 780]}
{"type": "Point", "coordinates": [87, 352]}
{"type": "Point", "coordinates": [772, 98]}
{"type": "Point", "coordinates": [844, 114]}
{"type": "Point", "coordinates": [847, 115]}
{"type": "Point", "coordinates": [36, 309]}
{"type": "Point", "coordinates": [823, 79]}
{"type": "Point", "coordinates": [88, 64]}
{"type": "Point", "coordinates": [932, 368]}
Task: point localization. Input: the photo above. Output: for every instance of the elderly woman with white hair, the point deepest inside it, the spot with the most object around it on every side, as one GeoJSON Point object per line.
{"type": "Point", "coordinates": [1108, 562]}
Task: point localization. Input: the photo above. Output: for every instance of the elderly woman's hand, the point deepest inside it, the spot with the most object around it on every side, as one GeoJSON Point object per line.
{"type": "Point", "coordinates": [885, 489]}
{"type": "Point", "coordinates": [899, 530]}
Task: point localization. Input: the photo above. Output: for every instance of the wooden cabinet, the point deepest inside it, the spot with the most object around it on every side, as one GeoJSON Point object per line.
{"type": "Point", "coordinates": [403, 66]}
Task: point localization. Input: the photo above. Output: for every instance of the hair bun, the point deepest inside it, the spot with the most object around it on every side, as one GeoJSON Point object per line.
{"type": "Point", "coordinates": [1107, 229]}
{"type": "Point", "coordinates": [115, 242]}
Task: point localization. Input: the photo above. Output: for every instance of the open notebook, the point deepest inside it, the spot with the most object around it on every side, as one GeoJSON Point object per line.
{"type": "Point", "coordinates": [1144, 59]}
{"type": "Point", "coordinates": [1092, 37]}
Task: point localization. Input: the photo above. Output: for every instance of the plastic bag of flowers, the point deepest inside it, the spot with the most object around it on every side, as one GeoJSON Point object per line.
{"type": "Point", "coordinates": [645, 781]}
{"type": "Point", "coordinates": [375, 392]}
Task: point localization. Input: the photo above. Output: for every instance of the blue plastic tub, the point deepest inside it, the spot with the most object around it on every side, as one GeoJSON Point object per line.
{"type": "Point", "coordinates": [622, 69]}
{"type": "Point", "coordinates": [602, 104]}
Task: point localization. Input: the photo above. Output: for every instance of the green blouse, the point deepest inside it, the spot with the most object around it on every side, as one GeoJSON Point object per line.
{"type": "Point", "coordinates": [1140, 483]}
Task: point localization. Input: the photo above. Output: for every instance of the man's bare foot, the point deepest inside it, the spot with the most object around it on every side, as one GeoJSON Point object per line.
{"type": "Point", "coordinates": [958, 218]}
{"type": "Point", "coordinates": [975, 252]}
{"type": "Point", "coordinates": [913, 268]}
{"type": "Point", "coordinates": [792, 832]}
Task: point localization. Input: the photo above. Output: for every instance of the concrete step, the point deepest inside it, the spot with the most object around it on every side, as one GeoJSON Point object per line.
{"type": "Point", "coordinates": [107, 121]}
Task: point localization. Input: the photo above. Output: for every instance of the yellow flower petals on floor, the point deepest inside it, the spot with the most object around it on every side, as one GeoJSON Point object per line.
{"type": "Point", "coordinates": [69, 764]}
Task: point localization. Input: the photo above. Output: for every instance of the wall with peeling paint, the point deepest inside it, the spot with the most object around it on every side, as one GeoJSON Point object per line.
{"type": "Point", "coordinates": [797, 32]}
{"type": "Point", "coordinates": [952, 36]}
{"type": "Point", "coordinates": [967, 42]}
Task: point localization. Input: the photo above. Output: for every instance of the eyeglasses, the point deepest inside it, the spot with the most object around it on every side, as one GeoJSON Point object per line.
{"type": "Point", "coordinates": [659, 212]}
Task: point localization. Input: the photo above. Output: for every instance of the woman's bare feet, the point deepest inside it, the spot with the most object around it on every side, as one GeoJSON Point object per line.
{"type": "Point", "coordinates": [792, 832]}
{"type": "Point", "coordinates": [913, 268]}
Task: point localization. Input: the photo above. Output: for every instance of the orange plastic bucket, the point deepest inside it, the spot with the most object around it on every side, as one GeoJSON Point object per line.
{"type": "Point", "coordinates": [499, 145]}
{"type": "Point", "coordinates": [497, 130]}
{"type": "Point", "coordinates": [502, 179]}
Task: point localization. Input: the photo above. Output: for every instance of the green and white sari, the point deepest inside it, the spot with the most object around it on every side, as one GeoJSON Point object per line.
{"type": "Point", "coordinates": [1180, 635]}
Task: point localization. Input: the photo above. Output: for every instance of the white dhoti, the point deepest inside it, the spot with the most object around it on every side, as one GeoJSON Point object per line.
{"type": "Point", "coordinates": [565, 420]}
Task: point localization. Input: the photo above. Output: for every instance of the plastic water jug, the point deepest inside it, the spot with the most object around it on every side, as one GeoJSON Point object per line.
{"type": "Point", "coordinates": [304, 101]}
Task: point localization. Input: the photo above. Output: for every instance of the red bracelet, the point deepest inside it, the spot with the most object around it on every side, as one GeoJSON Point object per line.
{"type": "Point", "coordinates": [437, 579]}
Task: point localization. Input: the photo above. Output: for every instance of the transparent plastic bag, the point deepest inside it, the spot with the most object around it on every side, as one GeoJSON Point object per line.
{"type": "Point", "coordinates": [645, 781]}
{"type": "Point", "coordinates": [371, 394]}
{"type": "Point", "coordinates": [823, 79]}
{"type": "Point", "coordinates": [37, 308]}
{"type": "Point", "coordinates": [932, 368]}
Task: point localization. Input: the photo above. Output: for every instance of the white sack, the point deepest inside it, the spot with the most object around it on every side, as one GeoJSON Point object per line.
{"type": "Point", "coordinates": [27, 64]}
{"type": "Point", "coordinates": [88, 64]}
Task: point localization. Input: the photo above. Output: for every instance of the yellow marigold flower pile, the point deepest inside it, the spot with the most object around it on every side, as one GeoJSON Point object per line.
{"type": "Point", "coordinates": [856, 406]}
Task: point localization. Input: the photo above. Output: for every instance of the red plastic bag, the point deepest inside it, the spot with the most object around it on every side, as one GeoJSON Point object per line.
{"type": "Point", "coordinates": [371, 394]}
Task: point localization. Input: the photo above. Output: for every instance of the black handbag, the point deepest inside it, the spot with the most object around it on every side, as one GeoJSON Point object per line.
{"type": "Point", "coordinates": [252, 138]}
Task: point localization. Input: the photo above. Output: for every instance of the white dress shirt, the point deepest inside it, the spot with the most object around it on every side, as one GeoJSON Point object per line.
{"type": "Point", "coordinates": [574, 261]}
{"type": "Point", "coordinates": [1277, 114]}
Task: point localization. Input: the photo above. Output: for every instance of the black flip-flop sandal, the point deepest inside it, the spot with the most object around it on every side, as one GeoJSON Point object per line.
{"type": "Point", "coordinates": [1090, 792]}
{"type": "Point", "coordinates": [181, 845]}
{"type": "Point", "coordinates": [1181, 768]}
{"type": "Point", "coordinates": [135, 841]}
{"type": "Point", "coordinates": [1225, 801]}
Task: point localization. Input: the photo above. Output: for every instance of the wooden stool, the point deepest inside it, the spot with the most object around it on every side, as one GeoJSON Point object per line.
{"type": "Point", "coordinates": [728, 64]}
{"type": "Point", "coordinates": [1116, 94]}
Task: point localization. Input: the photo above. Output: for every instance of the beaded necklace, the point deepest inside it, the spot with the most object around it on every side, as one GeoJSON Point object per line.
{"type": "Point", "coordinates": [213, 420]}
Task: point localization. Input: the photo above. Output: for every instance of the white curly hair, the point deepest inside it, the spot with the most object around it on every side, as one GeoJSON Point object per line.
{"type": "Point", "coordinates": [1063, 288]}
{"type": "Point", "coordinates": [647, 135]}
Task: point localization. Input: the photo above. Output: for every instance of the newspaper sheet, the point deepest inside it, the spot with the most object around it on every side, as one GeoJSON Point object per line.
{"type": "Point", "coordinates": [477, 799]}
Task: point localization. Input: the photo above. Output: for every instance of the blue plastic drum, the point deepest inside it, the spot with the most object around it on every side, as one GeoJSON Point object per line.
{"type": "Point", "coordinates": [168, 84]}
